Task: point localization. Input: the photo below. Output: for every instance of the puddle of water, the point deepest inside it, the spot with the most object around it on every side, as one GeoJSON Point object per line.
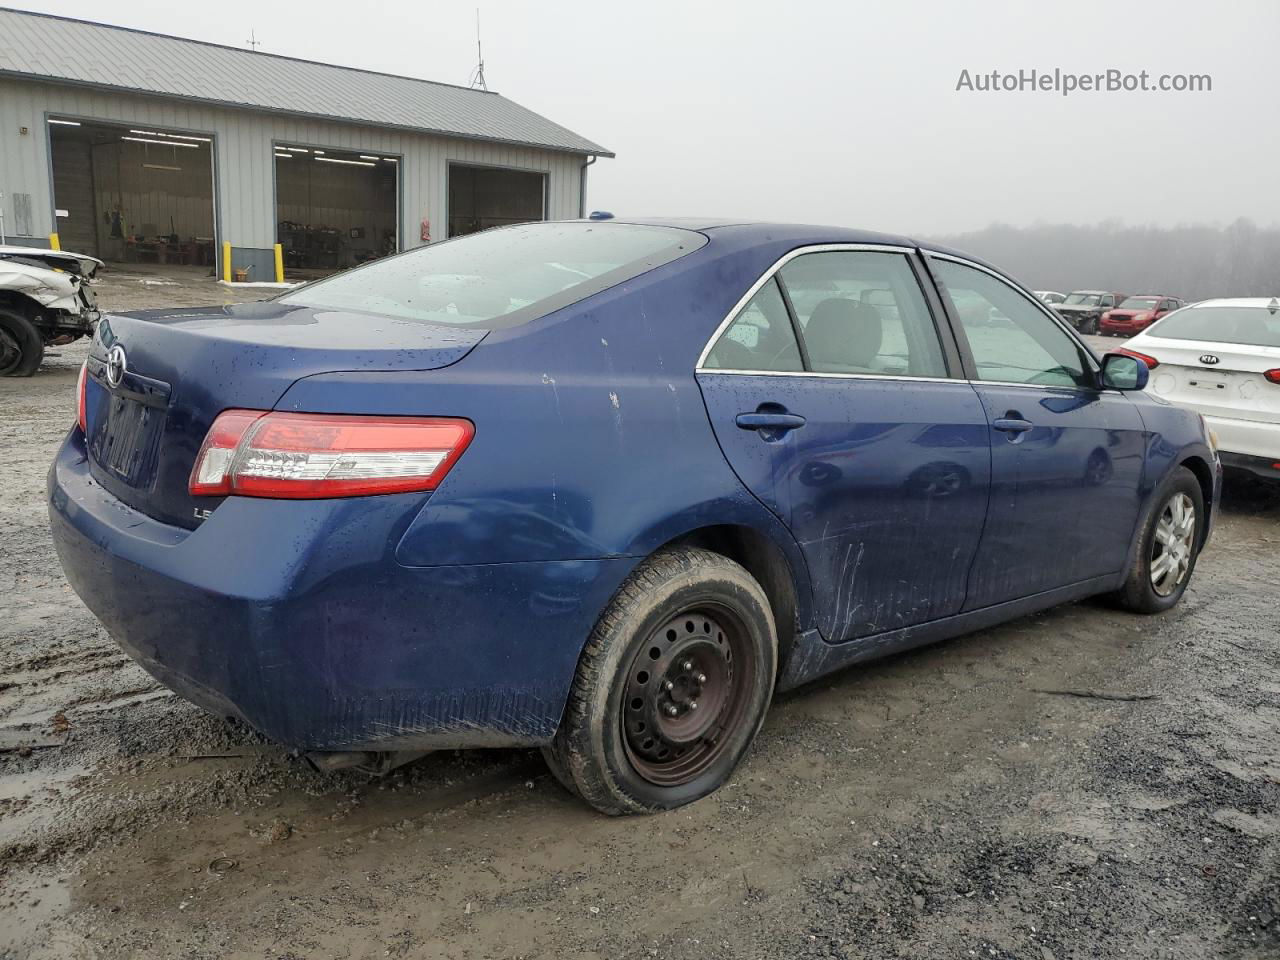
{"type": "Point", "coordinates": [36, 900]}
{"type": "Point", "coordinates": [37, 714]}
{"type": "Point", "coordinates": [31, 801]}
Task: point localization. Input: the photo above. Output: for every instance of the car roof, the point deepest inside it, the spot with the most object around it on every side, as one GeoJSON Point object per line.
{"type": "Point", "coordinates": [1150, 296]}
{"type": "Point", "coordinates": [743, 229]}
{"type": "Point", "coordinates": [1265, 303]}
{"type": "Point", "coordinates": [801, 234]}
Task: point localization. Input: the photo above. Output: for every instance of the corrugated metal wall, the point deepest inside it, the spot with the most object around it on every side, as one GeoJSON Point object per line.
{"type": "Point", "coordinates": [244, 157]}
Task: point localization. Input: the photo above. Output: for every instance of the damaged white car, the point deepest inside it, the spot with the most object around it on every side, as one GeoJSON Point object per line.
{"type": "Point", "coordinates": [46, 299]}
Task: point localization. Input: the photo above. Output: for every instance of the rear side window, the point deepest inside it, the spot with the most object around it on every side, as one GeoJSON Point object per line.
{"type": "Point", "coordinates": [862, 312]}
{"type": "Point", "coordinates": [1252, 326]}
{"type": "Point", "coordinates": [760, 337]}
{"type": "Point", "coordinates": [501, 277]}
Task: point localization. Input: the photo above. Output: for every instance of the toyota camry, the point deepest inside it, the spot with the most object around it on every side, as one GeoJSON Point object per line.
{"type": "Point", "coordinates": [603, 487]}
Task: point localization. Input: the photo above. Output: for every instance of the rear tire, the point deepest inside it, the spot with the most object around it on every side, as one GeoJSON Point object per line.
{"type": "Point", "coordinates": [671, 688]}
{"type": "Point", "coordinates": [21, 345]}
{"type": "Point", "coordinates": [1168, 546]}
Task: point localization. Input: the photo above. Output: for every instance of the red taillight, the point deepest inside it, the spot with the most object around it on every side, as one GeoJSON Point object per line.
{"type": "Point", "coordinates": [82, 384]}
{"type": "Point", "coordinates": [1151, 362]}
{"type": "Point", "coordinates": [252, 453]}
{"type": "Point", "coordinates": [1273, 375]}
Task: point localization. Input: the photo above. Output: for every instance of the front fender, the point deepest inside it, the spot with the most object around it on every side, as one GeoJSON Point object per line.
{"type": "Point", "coordinates": [1175, 437]}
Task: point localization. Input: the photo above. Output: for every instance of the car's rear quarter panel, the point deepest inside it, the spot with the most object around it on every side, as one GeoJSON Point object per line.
{"type": "Point", "coordinates": [592, 439]}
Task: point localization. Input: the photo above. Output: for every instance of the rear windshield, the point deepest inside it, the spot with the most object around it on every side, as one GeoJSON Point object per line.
{"type": "Point", "coordinates": [501, 277]}
{"type": "Point", "coordinates": [1254, 326]}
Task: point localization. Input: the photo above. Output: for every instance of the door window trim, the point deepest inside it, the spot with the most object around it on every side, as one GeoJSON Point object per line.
{"type": "Point", "coordinates": [909, 253]}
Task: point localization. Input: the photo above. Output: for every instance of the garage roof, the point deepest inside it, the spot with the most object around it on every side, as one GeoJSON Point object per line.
{"type": "Point", "coordinates": [44, 47]}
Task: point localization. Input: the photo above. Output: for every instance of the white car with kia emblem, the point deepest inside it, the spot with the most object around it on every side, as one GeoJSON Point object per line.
{"type": "Point", "coordinates": [1221, 358]}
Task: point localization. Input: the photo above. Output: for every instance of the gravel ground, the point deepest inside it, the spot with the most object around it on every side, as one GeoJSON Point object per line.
{"type": "Point", "coordinates": [939, 804]}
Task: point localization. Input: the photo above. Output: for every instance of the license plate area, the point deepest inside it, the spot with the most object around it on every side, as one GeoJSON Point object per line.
{"type": "Point", "coordinates": [1205, 381]}
{"type": "Point", "coordinates": [129, 440]}
{"type": "Point", "coordinates": [126, 425]}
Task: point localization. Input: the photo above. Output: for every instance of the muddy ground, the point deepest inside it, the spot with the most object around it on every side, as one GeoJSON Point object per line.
{"type": "Point", "coordinates": [939, 804]}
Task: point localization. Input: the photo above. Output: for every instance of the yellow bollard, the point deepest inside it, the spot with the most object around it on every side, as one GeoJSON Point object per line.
{"type": "Point", "coordinates": [226, 262]}
{"type": "Point", "coordinates": [279, 263]}
{"type": "Point", "coordinates": [54, 243]}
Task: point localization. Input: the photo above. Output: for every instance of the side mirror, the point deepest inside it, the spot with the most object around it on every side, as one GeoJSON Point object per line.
{"type": "Point", "coordinates": [1121, 371]}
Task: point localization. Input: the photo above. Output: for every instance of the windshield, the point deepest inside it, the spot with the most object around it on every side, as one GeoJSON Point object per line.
{"type": "Point", "coordinates": [1083, 299]}
{"type": "Point", "coordinates": [500, 277]}
{"type": "Point", "coordinates": [1254, 326]}
{"type": "Point", "coordinates": [1139, 303]}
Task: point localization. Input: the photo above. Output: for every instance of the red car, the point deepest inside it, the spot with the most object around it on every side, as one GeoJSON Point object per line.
{"type": "Point", "coordinates": [1135, 314]}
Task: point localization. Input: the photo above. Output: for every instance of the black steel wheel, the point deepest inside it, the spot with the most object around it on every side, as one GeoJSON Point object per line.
{"type": "Point", "coordinates": [684, 691]}
{"type": "Point", "coordinates": [672, 686]}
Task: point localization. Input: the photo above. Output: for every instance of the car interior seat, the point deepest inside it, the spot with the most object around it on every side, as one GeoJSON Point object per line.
{"type": "Point", "coordinates": [844, 336]}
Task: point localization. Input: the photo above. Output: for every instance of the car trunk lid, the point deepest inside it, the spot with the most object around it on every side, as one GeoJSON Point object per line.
{"type": "Point", "coordinates": [158, 379]}
{"type": "Point", "coordinates": [1216, 379]}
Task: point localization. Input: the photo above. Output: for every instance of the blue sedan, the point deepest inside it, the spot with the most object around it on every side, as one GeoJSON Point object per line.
{"type": "Point", "coordinates": [602, 487]}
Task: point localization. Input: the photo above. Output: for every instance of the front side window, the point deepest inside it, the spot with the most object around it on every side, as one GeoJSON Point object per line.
{"type": "Point", "coordinates": [1012, 340]}
{"type": "Point", "coordinates": [501, 277]}
{"type": "Point", "coordinates": [862, 312]}
{"type": "Point", "coordinates": [760, 337]}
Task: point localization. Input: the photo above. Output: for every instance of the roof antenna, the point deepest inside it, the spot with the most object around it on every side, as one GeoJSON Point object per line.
{"type": "Point", "coordinates": [253, 43]}
{"type": "Point", "coordinates": [477, 75]}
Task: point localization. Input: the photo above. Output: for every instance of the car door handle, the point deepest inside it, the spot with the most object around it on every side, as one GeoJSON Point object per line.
{"type": "Point", "coordinates": [1013, 425]}
{"type": "Point", "coordinates": [769, 421]}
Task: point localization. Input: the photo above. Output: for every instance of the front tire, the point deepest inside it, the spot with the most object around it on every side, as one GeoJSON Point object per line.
{"type": "Point", "coordinates": [1168, 546]}
{"type": "Point", "coordinates": [671, 688]}
{"type": "Point", "coordinates": [21, 345]}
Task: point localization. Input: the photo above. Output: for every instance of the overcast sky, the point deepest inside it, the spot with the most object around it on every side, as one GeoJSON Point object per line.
{"type": "Point", "coordinates": [836, 112]}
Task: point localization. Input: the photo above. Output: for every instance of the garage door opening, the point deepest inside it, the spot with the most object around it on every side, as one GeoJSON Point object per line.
{"type": "Point", "coordinates": [484, 197]}
{"type": "Point", "coordinates": [133, 194]}
{"type": "Point", "coordinates": [334, 209]}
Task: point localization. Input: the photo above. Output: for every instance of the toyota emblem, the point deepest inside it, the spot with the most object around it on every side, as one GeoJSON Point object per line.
{"type": "Point", "coordinates": [116, 365]}
{"type": "Point", "coordinates": [1208, 358]}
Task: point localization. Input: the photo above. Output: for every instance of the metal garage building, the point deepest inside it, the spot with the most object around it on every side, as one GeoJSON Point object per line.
{"type": "Point", "coordinates": [139, 146]}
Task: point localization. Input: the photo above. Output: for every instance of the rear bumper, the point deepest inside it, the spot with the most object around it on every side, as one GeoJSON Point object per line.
{"type": "Point", "coordinates": [1248, 439]}
{"type": "Point", "coordinates": [296, 618]}
{"type": "Point", "coordinates": [1268, 467]}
